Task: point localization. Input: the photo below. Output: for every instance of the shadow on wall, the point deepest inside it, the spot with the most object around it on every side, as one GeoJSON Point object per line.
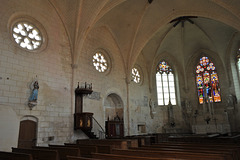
{"type": "Point", "coordinates": [9, 124]}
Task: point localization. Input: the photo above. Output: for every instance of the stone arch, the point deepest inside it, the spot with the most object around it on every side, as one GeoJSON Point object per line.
{"type": "Point", "coordinates": [234, 76]}
{"type": "Point", "coordinates": [113, 106]}
{"type": "Point", "coordinates": [151, 32]}
{"type": "Point", "coordinates": [177, 70]}
{"type": "Point", "coordinates": [231, 65]}
{"type": "Point", "coordinates": [29, 117]}
{"type": "Point", "coordinates": [190, 74]}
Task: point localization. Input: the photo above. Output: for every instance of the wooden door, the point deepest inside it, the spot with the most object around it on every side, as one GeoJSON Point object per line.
{"type": "Point", "coordinates": [27, 134]}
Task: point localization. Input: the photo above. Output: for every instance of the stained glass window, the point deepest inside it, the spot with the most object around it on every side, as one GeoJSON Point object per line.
{"type": "Point", "coordinates": [165, 84]}
{"type": "Point", "coordinates": [207, 82]}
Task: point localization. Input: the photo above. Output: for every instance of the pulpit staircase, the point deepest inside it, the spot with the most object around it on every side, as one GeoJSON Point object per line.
{"type": "Point", "coordinates": [97, 128]}
{"type": "Point", "coordinates": [90, 134]}
{"type": "Point", "coordinates": [84, 120]}
{"type": "Point", "coordinates": [89, 125]}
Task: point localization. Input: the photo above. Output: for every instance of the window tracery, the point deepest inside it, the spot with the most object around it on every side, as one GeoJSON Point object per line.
{"type": "Point", "coordinates": [136, 75]}
{"type": "Point", "coordinates": [207, 81]}
{"type": "Point", "coordinates": [27, 36]}
{"type": "Point", "coordinates": [99, 62]}
{"type": "Point", "coordinates": [165, 84]}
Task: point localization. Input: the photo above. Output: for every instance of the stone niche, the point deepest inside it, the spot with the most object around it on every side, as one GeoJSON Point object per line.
{"type": "Point", "coordinates": [113, 107]}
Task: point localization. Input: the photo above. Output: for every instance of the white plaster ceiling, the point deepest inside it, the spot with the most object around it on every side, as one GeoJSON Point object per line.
{"type": "Point", "coordinates": [140, 27]}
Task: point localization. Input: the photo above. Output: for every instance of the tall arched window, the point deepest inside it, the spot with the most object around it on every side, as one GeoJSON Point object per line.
{"type": "Point", "coordinates": [207, 82]}
{"type": "Point", "coordinates": [165, 84]}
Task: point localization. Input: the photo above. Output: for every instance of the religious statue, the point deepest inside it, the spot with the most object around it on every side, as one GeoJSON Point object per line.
{"type": "Point", "coordinates": [152, 106]}
{"type": "Point", "coordinates": [34, 95]}
{"type": "Point", "coordinates": [81, 123]}
{"type": "Point", "coordinates": [170, 115]}
{"type": "Point", "coordinates": [232, 101]}
{"type": "Point", "coordinates": [117, 118]}
{"type": "Point", "coordinates": [188, 106]}
{"type": "Point", "coordinates": [88, 123]}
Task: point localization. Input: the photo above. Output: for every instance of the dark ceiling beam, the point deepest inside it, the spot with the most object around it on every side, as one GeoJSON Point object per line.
{"type": "Point", "coordinates": [182, 19]}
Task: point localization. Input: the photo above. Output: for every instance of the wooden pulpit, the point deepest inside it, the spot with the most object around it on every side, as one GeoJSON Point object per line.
{"type": "Point", "coordinates": [82, 120]}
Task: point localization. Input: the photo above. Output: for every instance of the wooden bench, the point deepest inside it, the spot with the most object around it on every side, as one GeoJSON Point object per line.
{"type": "Point", "coordinates": [63, 152]}
{"type": "Point", "coordinates": [79, 158]}
{"type": "Point", "coordinates": [205, 138]}
{"type": "Point", "coordinates": [14, 156]}
{"type": "Point", "coordinates": [198, 144]}
{"type": "Point", "coordinates": [231, 155]}
{"type": "Point", "coordinates": [160, 137]}
{"type": "Point", "coordinates": [171, 154]}
{"type": "Point", "coordinates": [142, 139]}
{"type": "Point", "coordinates": [85, 150]}
{"type": "Point", "coordinates": [131, 142]}
{"type": "Point", "coordinates": [38, 154]}
{"type": "Point", "coordinates": [100, 148]}
{"type": "Point", "coordinates": [125, 157]}
{"type": "Point", "coordinates": [234, 147]}
{"type": "Point", "coordinates": [116, 143]}
{"type": "Point", "coordinates": [227, 149]}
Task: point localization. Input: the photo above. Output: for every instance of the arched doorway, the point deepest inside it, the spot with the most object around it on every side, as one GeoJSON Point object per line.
{"type": "Point", "coordinates": [114, 116]}
{"type": "Point", "coordinates": [27, 132]}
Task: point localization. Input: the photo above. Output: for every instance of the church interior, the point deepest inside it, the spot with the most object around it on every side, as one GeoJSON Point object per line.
{"type": "Point", "coordinates": [110, 69]}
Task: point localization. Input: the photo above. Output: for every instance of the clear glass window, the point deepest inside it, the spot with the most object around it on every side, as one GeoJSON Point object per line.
{"type": "Point", "coordinates": [136, 75]}
{"type": "Point", "coordinates": [27, 36]}
{"type": "Point", "coordinates": [165, 84]}
{"type": "Point", "coordinates": [238, 60]}
{"type": "Point", "coordinates": [99, 62]}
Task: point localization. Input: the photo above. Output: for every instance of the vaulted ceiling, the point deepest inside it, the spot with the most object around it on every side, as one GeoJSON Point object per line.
{"type": "Point", "coordinates": [142, 27]}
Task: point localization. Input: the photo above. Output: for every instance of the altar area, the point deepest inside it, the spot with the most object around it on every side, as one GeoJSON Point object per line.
{"type": "Point", "coordinates": [209, 122]}
{"type": "Point", "coordinates": [213, 127]}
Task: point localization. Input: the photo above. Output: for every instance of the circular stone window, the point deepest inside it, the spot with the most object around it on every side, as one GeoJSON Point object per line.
{"type": "Point", "coordinates": [27, 36]}
{"type": "Point", "coordinates": [99, 62]}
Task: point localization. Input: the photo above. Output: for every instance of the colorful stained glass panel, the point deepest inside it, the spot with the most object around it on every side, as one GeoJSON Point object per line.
{"type": "Point", "coordinates": [207, 82]}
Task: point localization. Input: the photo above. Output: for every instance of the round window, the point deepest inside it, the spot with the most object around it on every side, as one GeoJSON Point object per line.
{"type": "Point", "coordinates": [100, 62]}
{"type": "Point", "coordinates": [27, 36]}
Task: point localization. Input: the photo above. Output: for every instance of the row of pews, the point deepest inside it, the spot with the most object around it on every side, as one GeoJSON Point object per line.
{"type": "Point", "coordinates": [134, 148]}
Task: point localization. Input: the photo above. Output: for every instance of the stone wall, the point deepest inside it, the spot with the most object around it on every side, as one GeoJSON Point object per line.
{"type": "Point", "coordinates": [113, 81]}
{"type": "Point", "coordinates": [64, 60]}
{"type": "Point", "coordinates": [50, 66]}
